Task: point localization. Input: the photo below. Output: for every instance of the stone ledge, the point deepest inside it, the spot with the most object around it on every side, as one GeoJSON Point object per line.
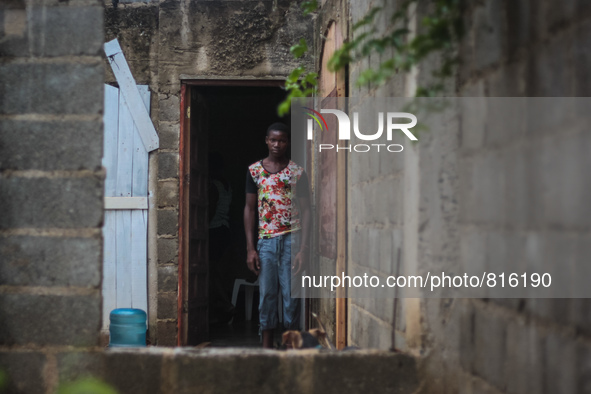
{"type": "Point", "coordinates": [184, 370]}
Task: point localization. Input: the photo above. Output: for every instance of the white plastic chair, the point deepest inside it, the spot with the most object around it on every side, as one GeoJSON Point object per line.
{"type": "Point", "coordinates": [249, 295]}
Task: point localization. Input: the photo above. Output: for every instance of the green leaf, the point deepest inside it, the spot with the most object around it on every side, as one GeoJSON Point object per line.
{"type": "Point", "coordinates": [311, 79]}
{"type": "Point", "coordinates": [366, 76]}
{"type": "Point", "coordinates": [299, 49]}
{"type": "Point", "coordinates": [339, 59]}
{"type": "Point", "coordinates": [367, 19]}
{"type": "Point", "coordinates": [3, 379]}
{"type": "Point", "coordinates": [294, 75]}
{"type": "Point", "coordinates": [86, 386]}
{"type": "Point", "coordinates": [284, 107]}
{"type": "Point", "coordinates": [309, 6]}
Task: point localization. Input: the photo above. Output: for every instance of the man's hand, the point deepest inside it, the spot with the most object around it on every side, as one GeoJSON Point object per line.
{"type": "Point", "coordinates": [298, 262]}
{"type": "Point", "coordinates": [253, 262]}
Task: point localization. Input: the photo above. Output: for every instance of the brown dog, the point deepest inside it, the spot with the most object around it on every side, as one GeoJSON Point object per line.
{"type": "Point", "coordinates": [313, 339]}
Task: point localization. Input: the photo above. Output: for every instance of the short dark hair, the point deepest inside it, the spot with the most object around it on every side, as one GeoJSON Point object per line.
{"type": "Point", "coordinates": [279, 127]}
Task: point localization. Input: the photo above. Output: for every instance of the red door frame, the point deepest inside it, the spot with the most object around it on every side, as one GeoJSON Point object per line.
{"type": "Point", "coordinates": [184, 168]}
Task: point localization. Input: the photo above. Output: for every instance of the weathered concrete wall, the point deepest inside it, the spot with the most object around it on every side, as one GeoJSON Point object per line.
{"type": "Point", "coordinates": [376, 185]}
{"type": "Point", "coordinates": [51, 186]}
{"type": "Point", "coordinates": [519, 201]}
{"type": "Point", "coordinates": [170, 41]}
{"type": "Point", "coordinates": [502, 199]}
{"type": "Point", "coordinates": [182, 370]}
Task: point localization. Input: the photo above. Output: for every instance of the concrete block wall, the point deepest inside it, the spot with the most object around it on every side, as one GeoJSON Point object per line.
{"type": "Point", "coordinates": [520, 195]}
{"type": "Point", "coordinates": [497, 200]}
{"type": "Point", "coordinates": [51, 186]}
{"type": "Point", "coordinates": [375, 207]}
{"type": "Point", "coordinates": [487, 199]}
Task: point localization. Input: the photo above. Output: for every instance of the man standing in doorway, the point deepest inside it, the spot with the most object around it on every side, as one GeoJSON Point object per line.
{"type": "Point", "coordinates": [276, 189]}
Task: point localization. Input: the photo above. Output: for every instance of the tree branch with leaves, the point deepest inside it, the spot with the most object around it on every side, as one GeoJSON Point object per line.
{"type": "Point", "coordinates": [440, 32]}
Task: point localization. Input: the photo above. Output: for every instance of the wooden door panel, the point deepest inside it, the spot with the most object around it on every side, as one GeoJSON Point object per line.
{"type": "Point", "coordinates": [125, 159]}
{"type": "Point", "coordinates": [198, 319]}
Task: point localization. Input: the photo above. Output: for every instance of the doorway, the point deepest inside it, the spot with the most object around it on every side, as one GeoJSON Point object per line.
{"type": "Point", "coordinates": [222, 132]}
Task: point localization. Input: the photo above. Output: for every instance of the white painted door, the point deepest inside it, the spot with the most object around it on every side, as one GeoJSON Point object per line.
{"type": "Point", "coordinates": [126, 207]}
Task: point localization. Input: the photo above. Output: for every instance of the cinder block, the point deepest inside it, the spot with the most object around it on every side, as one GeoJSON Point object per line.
{"type": "Point", "coordinates": [50, 145]}
{"type": "Point", "coordinates": [168, 194]}
{"type": "Point", "coordinates": [490, 347]}
{"type": "Point", "coordinates": [582, 267]}
{"type": "Point", "coordinates": [582, 314]}
{"type": "Point", "coordinates": [506, 121]}
{"type": "Point", "coordinates": [519, 24]}
{"type": "Point", "coordinates": [466, 185]}
{"type": "Point", "coordinates": [168, 278]}
{"type": "Point", "coordinates": [211, 372]}
{"type": "Point", "coordinates": [131, 372]}
{"type": "Point", "coordinates": [51, 88]}
{"type": "Point", "coordinates": [561, 365]}
{"type": "Point", "coordinates": [540, 307]}
{"type": "Point", "coordinates": [61, 31]}
{"type": "Point", "coordinates": [552, 69]}
{"type": "Point", "coordinates": [168, 250]}
{"type": "Point", "coordinates": [50, 320]}
{"type": "Point", "coordinates": [167, 333]}
{"type": "Point", "coordinates": [169, 133]}
{"type": "Point", "coordinates": [582, 58]}
{"type": "Point", "coordinates": [387, 201]}
{"type": "Point", "coordinates": [372, 255]}
{"type": "Point", "coordinates": [534, 186]}
{"type": "Point", "coordinates": [518, 368]}
{"type": "Point", "coordinates": [389, 374]}
{"type": "Point", "coordinates": [583, 357]}
{"type": "Point", "coordinates": [557, 14]}
{"type": "Point", "coordinates": [50, 261]}
{"type": "Point", "coordinates": [560, 251]}
{"type": "Point", "coordinates": [509, 80]}
{"type": "Point", "coordinates": [167, 222]}
{"type": "Point", "coordinates": [51, 202]}
{"type": "Point", "coordinates": [474, 113]}
{"type": "Point", "coordinates": [15, 28]}
{"type": "Point", "coordinates": [78, 365]}
{"type": "Point", "coordinates": [390, 163]}
{"type": "Point", "coordinates": [168, 165]}
{"type": "Point", "coordinates": [167, 305]}
{"type": "Point", "coordinates": [357, 205]}
{"type": "Point", "coordinates": [467, 340]}
{"type": "Point", "coordinates": [359, 245]}
{"type": "Point", "coordinates": [488, 34]}
{"type": "Point", "coordinates": [21, 368]}
{"type": "Point", "coordinates": [496, 259]}
{"type": "Point", "coordinates": [386, 253]}
{"type": "Point", "coordinates": [488, 190]}
{"type": "Point", "coordinates": [564, 181]}
{"type": "Point", "coordinates": [473, 252]}
{"type": "Point", "coordinates": [357, 326]}
{"type": "Point", "coordinates": [169, 107]}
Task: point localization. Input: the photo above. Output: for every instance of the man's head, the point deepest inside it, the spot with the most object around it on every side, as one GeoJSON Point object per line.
{"type": "Point", "coordinates": [277, 139]}
{"type": "Point", "coordinates": [279, 127]}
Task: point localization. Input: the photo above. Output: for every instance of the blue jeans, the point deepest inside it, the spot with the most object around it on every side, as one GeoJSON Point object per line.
{"type": "Point", "coordinates": [275, 276]}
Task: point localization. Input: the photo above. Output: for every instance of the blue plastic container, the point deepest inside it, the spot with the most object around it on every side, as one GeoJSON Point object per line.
{"type": "Point", "coordinates": [127, 328]}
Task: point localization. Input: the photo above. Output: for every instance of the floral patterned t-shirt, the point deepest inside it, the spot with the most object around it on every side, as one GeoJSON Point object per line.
{"type": "Point", "coordinates": [275, 193]}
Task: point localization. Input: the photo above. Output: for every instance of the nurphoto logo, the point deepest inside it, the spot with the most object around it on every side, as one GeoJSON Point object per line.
{"type": "Point", "coordinates": [344, 130]}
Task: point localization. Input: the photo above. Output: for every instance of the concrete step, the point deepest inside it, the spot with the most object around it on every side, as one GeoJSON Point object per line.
{"type": "Point", "coordinates": [257, 371]}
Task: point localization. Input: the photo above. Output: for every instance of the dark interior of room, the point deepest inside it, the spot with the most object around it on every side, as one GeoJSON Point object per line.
{"type": "Point", "coordinates": [238, 117]}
